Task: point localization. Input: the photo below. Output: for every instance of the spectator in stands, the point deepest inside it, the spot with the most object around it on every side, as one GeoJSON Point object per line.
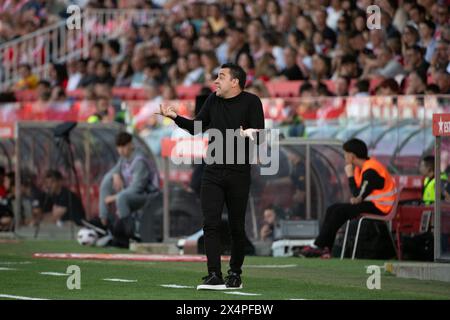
{"type": "Point", "coordinates": [58, 99]}
{"type": "Point", "coordinates": [321, 66]}
{"type": "Point", "coordinates": [88, 77]}
{"type": "Point", "coordinates": [427, 40]}
{"type": "Point", "coordinates": [292, 71]}
{"type": "Point", "coordinates": [294, 39]}
{"type": "Point", "coordinates": [320, 20]}
{"type": "Point", "coordinates": [271, 14]}
{"type": "Point", "coordinates": [27, 79]}
{"type": "Point", "coordinates": [342, 86]}
{"type": "Point", "coordinates": [265, 68]}
{"type": "Point", "coordinates": [168, 92]}
{"type": "Point", "coordinates": [154, 99]}
{"type": "Point", "coordinates": [112, 50]}
{"type": "Point", "coordinates": [138, 78]}
{"type": "Point", "coordinates": [240, 15]}
{"type": "Point", "coordinates": [416, 14]}
{"type": "Point", "coordinates": [349, 67]}
{"type": "Point", "coordinates": [153, 73]}
{"type": "Point", "coordinates": [215, 17]}
{"type": "Point", "coordinates": [410, 37]}
{"type": "Point", "coordinates": [58, 75]}
{"type": "Point", "coordinates": [388, 87]}
{"type": "Point", "coordinates": [269, 45]}
{"type": "Point", "coordinates": [432, 89]}
{"type": "Point", "coordinates": [210, 66]}
{"type": "Point", "coordinates": [129, 184]}
{"type": "Point", "coordinates": [357, 42]}
{"type": "Point", "coordinates": [373, 191]}
{"type": "Point", "coordinates": [360, 89]}
{"type": "Point", "coordinates": [416, 83]}
{"type": "Point", "coordinates": [177, 72]}
{"type": "Point", "coordinates": [441, 58]}
{"type": "Point", "coordinates": [74, 73]}
{"type": "Point", "coordinates": [258, 88]}
{"type": "Point", "coordinates": [103, 73]}
{"type": "Point", "coordinates": [246, 62]}
{"type": "Point", "coordinates": [43, 91]}
{"type": "Point", "coordinates": [67, 206]}
{"type": "Point", "coordinates": [384, 65]}
{"type": "Point", "coordinates": [322, 88]}
{"type": "Point", "coordinates": [308, 104]}
{"type": "Point", "coordinates": [96, 52]}
{"type": "Point", "coordinates": [414, 59]}
{"type": "Point", "coordinates": [196, 71]}
{"type": "Point", "coordinates": [104, 111]}
{"type": "Point", "coordinates": [442, 79]}
{"type": "Point", "coordinates": [124, 75]}
{"type": "Point", "coordinates": [266, 233]}
{"type": "Point", "coordinates": [304, 56]}
{"type": "Point", "coordinates": [305, 26]}
{"type": "Point", "coordinates": [235, 45]}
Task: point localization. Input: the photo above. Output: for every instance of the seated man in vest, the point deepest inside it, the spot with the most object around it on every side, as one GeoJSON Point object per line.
{"type": "Point", "coordinates": [426, 169]}
{"type": "Point", "coordinates": [373, 190]}
{"type": "Point", "coordinates": [128, 184]}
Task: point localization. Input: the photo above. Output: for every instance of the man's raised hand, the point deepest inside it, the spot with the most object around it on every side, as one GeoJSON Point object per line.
{"type": "Point", "coordinates": [248, 133]}
{"type": "Point", "coordinates": [167, 111]}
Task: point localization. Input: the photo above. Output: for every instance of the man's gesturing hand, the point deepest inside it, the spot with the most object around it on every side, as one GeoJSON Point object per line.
{"type": "Point", "coordinates": [167, 111]}
{"type": "Point", "coordinates": [248, 133]}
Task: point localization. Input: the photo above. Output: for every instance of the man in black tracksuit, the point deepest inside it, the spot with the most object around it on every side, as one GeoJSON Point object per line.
{"type": "Point", "coordinates": [226, 181]}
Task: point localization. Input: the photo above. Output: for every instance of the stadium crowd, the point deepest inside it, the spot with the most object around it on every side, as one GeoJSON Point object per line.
{"type": "Point", "coordinates": [271, 40]}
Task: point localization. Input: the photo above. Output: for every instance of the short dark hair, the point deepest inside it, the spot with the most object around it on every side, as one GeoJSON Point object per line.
{"type": "Point", "coordinates": [236, 72]}
{"type": "Point", "coordinates": [429, 161]}
{"type": "Point", "coordinates": [306, 86]}
{"type": "Point", "coordinates": [357, 147]}
{"type": "Point", "coordinates": [114, 45]}
{"type": "Point", "coordinates": [363, 85]}
{"type": "Point", "coordinates": [348, 59]}
{"type": "Point", "coordinates": [123, 138]}
{"type": "Point", "coordinates": [430, 24]}
{"type": "Point", "coordinates": [54, 174]}
{"type": "Point", "coordinates": [2, 171]}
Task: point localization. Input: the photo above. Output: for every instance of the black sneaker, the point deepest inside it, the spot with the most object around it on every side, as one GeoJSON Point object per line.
{"type": "Point", "coordinates": [233, 281]}
{"type": "Point", "coordinates": [212, 281]}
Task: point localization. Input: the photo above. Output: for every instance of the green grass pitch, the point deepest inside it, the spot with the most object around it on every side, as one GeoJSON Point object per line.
{"type": "Point", "coordinates": [307, 279]}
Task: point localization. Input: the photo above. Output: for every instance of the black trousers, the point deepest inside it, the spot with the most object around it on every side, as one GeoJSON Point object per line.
{"type": "Point", "coordinates": [224, 186]}
{"type": "Point", "coordinates": [337, 214]}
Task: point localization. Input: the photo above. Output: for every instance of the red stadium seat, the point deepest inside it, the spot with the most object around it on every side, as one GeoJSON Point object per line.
{"type": "Point", "coordinates": [284, 89]}
{"type": "Point", "coordinates": [188, 92]}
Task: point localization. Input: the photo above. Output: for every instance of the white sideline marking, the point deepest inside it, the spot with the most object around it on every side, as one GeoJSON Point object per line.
{"type": "Point", "coordinates": [239, 293]}
{"type": "Point", "coordinates": [19, 297]}
{"type": "Point", "coordinates": [297, 299]}
{"type": "Point", "coordinates": [120, 280]}
{"type": "Point", "coordinates": [176, 286]}
{"type": "Point", "coordinates": [6, 269]}
{"type": "Point", "coordinates": [56, 274]}
{"type": "Point", "coordinates": [15, 262]}
{"type": "Point", "coordinates": [262, 266]}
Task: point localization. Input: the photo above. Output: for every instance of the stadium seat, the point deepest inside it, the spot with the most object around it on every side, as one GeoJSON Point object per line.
{"type": "Point", "coordinates": [188, 92]}
{"type": "Point", "coordinates": [284, 89]}
{"type": "Point", "coordinates": [367, 216]}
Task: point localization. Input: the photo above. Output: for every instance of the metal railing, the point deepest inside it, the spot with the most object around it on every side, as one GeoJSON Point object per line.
{"type": "Point", "coordinates": [57, 43]}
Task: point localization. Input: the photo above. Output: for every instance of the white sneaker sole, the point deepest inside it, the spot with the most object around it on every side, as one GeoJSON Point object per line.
{"type": "Point", "coordinates": [220, 287]}
{"type": "Point", "coordinates": [211, 287]}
